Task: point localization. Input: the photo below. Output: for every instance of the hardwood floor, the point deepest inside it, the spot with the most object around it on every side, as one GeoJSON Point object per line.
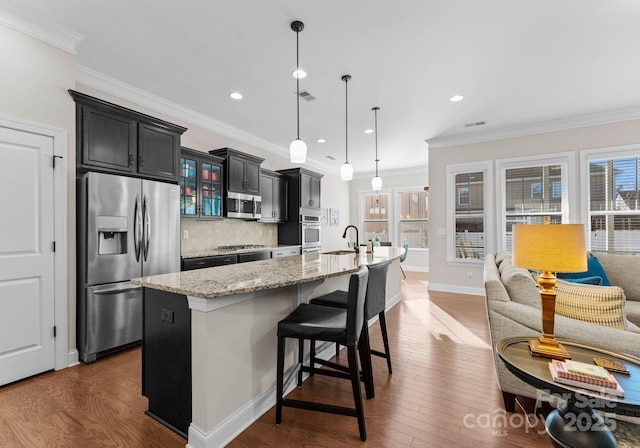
{"type": "Point", "coordinates": [442, 393]}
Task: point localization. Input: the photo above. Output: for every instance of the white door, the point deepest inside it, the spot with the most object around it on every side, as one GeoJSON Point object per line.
{"type": "Point", "coordinates": [26, 255]}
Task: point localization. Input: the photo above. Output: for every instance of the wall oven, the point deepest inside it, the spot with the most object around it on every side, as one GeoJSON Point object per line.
{"type": "Point", "coordinates": [240, 205]}
{"type": "Point", "coordinates": [310, 229]}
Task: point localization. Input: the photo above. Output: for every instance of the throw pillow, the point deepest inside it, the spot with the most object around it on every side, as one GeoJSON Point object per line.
{"type": "Point", "coordinates": [595, 280]}
{"type": "Point", "coordinates": [520, 285]}
{"type": "Point", "coordinates": [594, 269]}
{"type": "Point", "coordinates": [602, 305]}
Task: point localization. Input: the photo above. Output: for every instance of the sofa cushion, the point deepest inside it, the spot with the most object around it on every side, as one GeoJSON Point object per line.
{"type": "Point", "coordinates": [594, 269]}
{"type": "Point", "coordinates": [501, 256]}
{"type": "Point", "coordinates": [622, 271]}
{"type": "Point", "coordinates": [632, 310]}
{"type": "Point", "coordinates": [520, 285]}
{"type": "Point", "coordinates": [602, 305]}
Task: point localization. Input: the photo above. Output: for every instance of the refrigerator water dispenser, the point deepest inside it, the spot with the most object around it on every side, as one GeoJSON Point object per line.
{"type": "Point", "coordinates": [112, 235]}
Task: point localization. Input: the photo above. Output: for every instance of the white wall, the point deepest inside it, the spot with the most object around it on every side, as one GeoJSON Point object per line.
{"type": "Point", "coordinates": [34, 80]}
{"type": "Point", "coordinates": [417, 259]}
{"type": "Point", "coordinates": [453, 277]}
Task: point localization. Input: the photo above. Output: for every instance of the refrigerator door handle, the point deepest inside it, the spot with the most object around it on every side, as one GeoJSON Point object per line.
{"type": "Point", "coordinates": [103, 292]}
{"type": "Point", "coordinates": [147, 228]}
{"type": "Point", "coordinates": [137, 223]}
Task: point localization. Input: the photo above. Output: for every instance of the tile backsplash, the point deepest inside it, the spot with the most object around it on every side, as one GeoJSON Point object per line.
{"type": "Point", "coordinates": [225, 232]}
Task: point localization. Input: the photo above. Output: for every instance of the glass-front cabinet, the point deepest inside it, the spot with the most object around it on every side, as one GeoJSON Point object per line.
{"type": "Point", "coordinates": [200, 185]}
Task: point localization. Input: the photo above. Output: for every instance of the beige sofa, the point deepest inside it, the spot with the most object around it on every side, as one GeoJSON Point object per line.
{"type": "Point", "coordinates": [513, 310]}
{"type": "Point", "coordinates": [624, 271]}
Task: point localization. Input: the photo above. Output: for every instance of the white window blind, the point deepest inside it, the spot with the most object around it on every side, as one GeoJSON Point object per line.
{"type": "Point", "coordinates": [614, 205]}
{"type": "Point", "coordinates": [532, 193]}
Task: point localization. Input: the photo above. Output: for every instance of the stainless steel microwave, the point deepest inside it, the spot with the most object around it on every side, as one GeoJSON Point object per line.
{"type": "Point", "coordinates": [245, 206]}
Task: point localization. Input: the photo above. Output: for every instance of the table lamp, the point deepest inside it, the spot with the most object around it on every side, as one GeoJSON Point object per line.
{"type": "Point", "coordinates": [549, 248]}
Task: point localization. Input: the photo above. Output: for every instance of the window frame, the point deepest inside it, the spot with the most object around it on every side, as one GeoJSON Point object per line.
{"type": "Point", "coordinates": [566, 160]}
{"type": "Point", "coordinates": [586, 156]}
{"type": "Point", "coordinates": [486, 167]}
{"type": "Point", "coordinates": [361, 211]}
{"type": "Point", "coordinates": [396, 217]}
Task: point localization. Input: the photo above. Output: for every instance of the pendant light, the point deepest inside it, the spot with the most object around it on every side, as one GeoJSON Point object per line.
{"type": "Point", "coordinates": [298, 148]}
{"type": "Point", "coordinates": [376, 182]}
{"type": "Point", "coordinates": [346, 171]}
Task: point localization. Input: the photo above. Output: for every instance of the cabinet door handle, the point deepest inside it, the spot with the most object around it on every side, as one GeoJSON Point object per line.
{"type": "Point", "coordinates": [140, 160]}
{"type": "Point", "coordinates": [130, 159]}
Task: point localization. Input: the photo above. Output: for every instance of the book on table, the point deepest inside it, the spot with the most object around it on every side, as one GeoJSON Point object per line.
{"type": "Point", "coordinates": [562, 375]}
{"type": "Point", "coordinates": [591, 370]}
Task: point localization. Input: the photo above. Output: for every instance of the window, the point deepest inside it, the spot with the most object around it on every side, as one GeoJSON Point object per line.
{"type": "Point", "coordinates": [468, 198]}
{"type": "Point", "coordinates": [413, 219]}
{"type": "Point", "coordinates": [614, 202]}
{"type": "Point", "coordinates": [532, 189]}
{"type": "Point", "coordinates": [375, 216]}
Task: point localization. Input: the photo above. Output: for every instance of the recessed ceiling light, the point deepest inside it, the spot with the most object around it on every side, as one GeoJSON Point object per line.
{"type": "Point", "coordinates": [299, 73]}
{"type": "Point", "coordinates": [456, 98]}
{"type": "Point", "coordinates": [236, 95]}
{"type": "Point", "coordinates": [321, 140]}
{"type": "Point", "coordinates": [368, 131]}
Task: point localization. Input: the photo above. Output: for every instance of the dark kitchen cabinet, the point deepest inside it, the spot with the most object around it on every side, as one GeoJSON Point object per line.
{"type": "Point", "coordinates": [201, 180]}
{"type": "Point", "coordinates": [303, 188]}
{"type": "Point", "coordinates": [273, 191]}
{"type": "Point", "coordinates": [114, 139]}
{"type": "Point", "coordinates": [189, 264]}
{"type": "Point", "coordinates": [242, 171]}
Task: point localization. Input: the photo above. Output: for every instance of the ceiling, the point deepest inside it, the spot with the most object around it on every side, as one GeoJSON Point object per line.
{"type": "Point", "coordinates": [517, 63]}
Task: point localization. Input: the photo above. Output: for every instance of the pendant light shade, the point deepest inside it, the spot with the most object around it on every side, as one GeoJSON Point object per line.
{"type": "Point", "coordinates": [346, 171]}
{"type": "Point", "coordinates": [298, 148]}
{"type": "Point", "coordinates": [376, 182]}
{"type": "Point", "coordinates": [298, 151]}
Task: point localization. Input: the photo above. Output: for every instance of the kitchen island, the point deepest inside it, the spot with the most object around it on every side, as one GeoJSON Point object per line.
{"type": "Point", "coordinates": [209, 342]}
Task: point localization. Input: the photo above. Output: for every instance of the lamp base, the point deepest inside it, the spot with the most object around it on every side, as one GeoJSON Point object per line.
{"type": "Point", "coordinates": [548, 349]}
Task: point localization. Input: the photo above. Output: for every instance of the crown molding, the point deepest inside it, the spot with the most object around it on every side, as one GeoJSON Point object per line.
{"type": "Point", "coordinates": [127, 92]}
{"type": "Point", "coordinates": [420, 169]}
{"type": "Point", "coordinates": [614, 116]}
{"type": "Point", "coordinates": [39, 28]}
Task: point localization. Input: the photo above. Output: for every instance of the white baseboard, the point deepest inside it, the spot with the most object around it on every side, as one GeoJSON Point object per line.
{"type": "Point", "coordinates": [73, 358]}
{"type": "Point", "coordinates": [456, 289]}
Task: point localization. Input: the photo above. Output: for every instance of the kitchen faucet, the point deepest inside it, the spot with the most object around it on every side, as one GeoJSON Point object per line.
{"type": "Point", "coordinates": [344, 235]}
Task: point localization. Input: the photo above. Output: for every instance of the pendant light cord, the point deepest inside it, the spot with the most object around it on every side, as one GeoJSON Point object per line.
{"type": "Point", "coordinates": [375, 111]}
{"type": "Point", "coordinates": [346, 79]}
{"type": "Point", "coordinates": [297, 86]}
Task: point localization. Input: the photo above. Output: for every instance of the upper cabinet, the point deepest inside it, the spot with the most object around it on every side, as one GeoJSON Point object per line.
{"type": "Point", "coordinates": [115, 139]}
{"type": "Point", "coordinates": [304, 187]}
{"type": "Point", "coordinates": [242, 171]}
{"type": "Point", "coordinates": [273, 191]}
{"type": "Point", "coordinates": [200, 185]}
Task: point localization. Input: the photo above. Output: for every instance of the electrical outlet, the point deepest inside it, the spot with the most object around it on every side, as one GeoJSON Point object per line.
{"type": "Point", "coordinates": [469, 274]}
{"type": "Point", "coordinates": [166, 315]}
{"type": "Point", "coordinates": [185, 234]}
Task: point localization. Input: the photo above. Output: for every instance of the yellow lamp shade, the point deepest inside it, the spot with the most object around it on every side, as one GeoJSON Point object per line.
{"type": "Point", "coordinates": [549, 247]}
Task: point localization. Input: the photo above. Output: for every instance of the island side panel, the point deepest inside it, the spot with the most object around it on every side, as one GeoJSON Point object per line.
{"type": "Point", "coordinates": [166, 358]}
{"type": "Point", "coordinates": [234, 356]}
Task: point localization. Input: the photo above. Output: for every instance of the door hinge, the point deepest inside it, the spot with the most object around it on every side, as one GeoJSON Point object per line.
{"type": "Point", "coordinates": [54, 331]}
{"type": "Point", "coordinates": [53, 246]}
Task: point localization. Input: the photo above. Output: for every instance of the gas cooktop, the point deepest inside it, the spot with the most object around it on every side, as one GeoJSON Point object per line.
{"type": "Point", "coordinates": [242, 246]}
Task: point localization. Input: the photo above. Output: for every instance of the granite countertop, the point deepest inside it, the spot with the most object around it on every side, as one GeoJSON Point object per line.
{"type": "Point", "coordinates": [215, 251]}
{"type": "Point", "coordinates": [242, 278]}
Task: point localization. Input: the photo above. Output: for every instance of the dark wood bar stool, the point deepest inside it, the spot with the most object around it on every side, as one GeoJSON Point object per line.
{"type": "Point", "coordinates": [375, 301]}
{"type": "Point", "coordinates": [322, 323]}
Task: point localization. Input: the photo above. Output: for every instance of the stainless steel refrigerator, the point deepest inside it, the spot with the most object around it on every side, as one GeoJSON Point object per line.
{"type": "Point", "coordinates": [127, 228]}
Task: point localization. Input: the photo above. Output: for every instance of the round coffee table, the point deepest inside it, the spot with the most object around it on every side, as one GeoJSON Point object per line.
{"type": "Point", "coordinates": [575, 424]}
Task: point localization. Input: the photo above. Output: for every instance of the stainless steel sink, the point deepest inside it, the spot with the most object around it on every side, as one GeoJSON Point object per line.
{"type": "Point", "coordinates": [340, 252]}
